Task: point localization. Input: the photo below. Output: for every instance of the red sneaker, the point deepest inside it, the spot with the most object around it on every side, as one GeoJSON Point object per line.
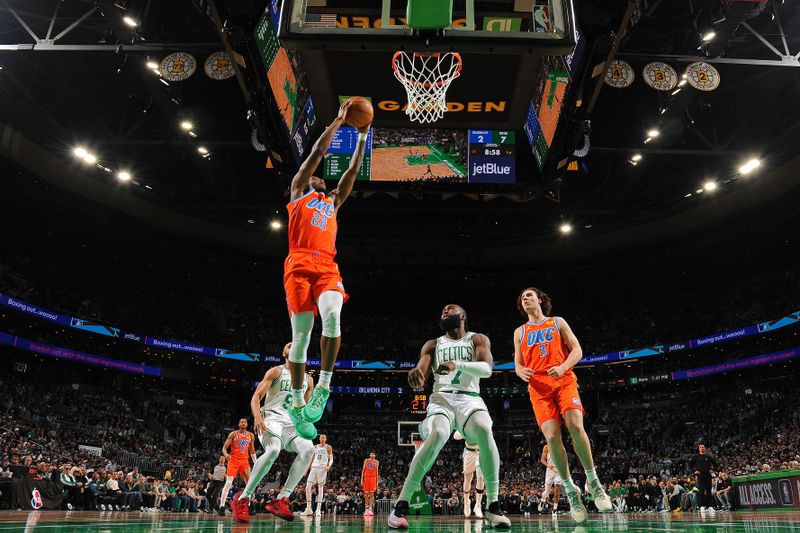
{"type": "Point", "coordinates": [240, 508]}
{"type": "Point", "coordinates": [280, 507]}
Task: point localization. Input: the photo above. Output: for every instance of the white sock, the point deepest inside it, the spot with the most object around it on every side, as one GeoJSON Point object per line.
{"type": "Point", "coordinates": [569, 485]}
{"type": "Point", "coordinates": [325, 379]}
{"type": "Point", "coordinates": [591, 476]}
{"type": "Point", "coordinates": [298, 398]}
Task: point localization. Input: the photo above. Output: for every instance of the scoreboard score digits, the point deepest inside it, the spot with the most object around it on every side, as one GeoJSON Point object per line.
{"type": "Point", "coordinates": [491, 156]}
{"type": "Point", "coordinates": [419, 404]}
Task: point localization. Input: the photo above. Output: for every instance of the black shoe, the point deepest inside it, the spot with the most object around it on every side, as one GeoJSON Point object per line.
{"type": "Point", "coordinates": [221, 511]}
{"type": "Point", "coordinates": [496, 517]}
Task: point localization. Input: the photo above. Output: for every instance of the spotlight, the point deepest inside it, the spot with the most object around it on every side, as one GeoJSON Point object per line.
{"type": "Point", "coordinates": [202, 149]}
{"type": "Point", "coordinates": [687, 195]}
{"type": "Point", "coordinates": [80, 151]}
{"type": "Point", "coordinates": [192, 134]}
{"type": "Point", "coordinates": [682, 83]}
{"type": "Point", "coordinates": [676, 91]}
{"type": "Point", "coordinates": [710, 186]}
{"type": "Point", "coordinates": [565, 228]}
{"type": "Point", "coordinates": [708, 37]}
{"type": "Point", "coordinates": [130, 21]}
{"type": "Point", "coordinates": [648, 140]}
{"type": "Point", "coordinates": [748, 167]}
{"type": "Point", "coordinates": [276, 225]}
{"type": "Point", "coordinates": [186, 125]}
{"type": "Point", "coordinates": [124, 176]}
{"type": "Point", "coordinates": [653, 133]}
{"type": "Point", "coordinates": [90, 158]}
{"type": "Point", "coordinates": [156, 71]}
{"type": "Point", "coordinates": [636, 157]}
{"type": "Point", "coordinates": [152, 65]}
{"type": "Point", "coordinates": [699, 191]}
{"type": "Point", "coordinates": [251, 221]}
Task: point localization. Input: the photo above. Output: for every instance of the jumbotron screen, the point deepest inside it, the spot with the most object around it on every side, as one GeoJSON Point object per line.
{"type": "Point", "coordinates": [451, 156]}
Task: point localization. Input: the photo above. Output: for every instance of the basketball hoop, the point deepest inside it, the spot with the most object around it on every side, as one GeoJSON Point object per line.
{"type": "Point", "coordinates": [426, 78]}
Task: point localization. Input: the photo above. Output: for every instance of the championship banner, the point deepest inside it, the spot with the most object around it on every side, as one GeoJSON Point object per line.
{"type": "Point", "coordinates": [36, 494]}
{"type": "Point", "coordinates": [771, 490]}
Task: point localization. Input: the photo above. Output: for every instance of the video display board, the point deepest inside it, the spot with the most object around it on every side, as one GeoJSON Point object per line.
{"type": "Point", "coordinates": [491, 156]}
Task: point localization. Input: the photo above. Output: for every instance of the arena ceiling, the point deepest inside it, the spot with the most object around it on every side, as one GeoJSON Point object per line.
{"type": "Point", "coordinates": [92, 87]}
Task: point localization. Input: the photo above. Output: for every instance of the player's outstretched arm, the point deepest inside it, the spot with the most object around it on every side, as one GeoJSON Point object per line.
{"type": "Point", "coordinates": [520, 369]}
{"type": "Point", "coordinates": [345, 186]}
{"type": "Point", "coordinates": [419, 374]}
{"type": "Point", "coordinates": [575, 350]}
{"type": "Point", "coordinates": [300, 180]}
{"type": "Point", "coordinates": [261, 390]}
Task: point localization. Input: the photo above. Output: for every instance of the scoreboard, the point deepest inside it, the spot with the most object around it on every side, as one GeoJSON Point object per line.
{"type": "Point", "coordinates": [491, 156]}
{"type": "Point", "coordinates": [419, 404]}
{"type": "Point", "coordinates": [337, 159]}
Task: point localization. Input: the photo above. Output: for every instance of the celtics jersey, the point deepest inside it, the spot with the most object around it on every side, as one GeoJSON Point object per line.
{"type": "Point", "coordinates": [448, 349]}
{"type": "Point", "coordinates": [320, 456]}
{"type": "Point", "coordinates": [279, 395]}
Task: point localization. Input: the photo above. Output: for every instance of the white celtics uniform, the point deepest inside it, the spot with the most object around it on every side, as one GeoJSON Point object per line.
{"type": "Point", "coordinates": [275, 409]}
{"type": "Point", "coordinates": [551, 477]}
{"type": "Point", "coordinates": [456, 396]}
{"type": "Point", "coordinates": [319, 474]}
{"type": "Point", "coordinates": [472, 462]}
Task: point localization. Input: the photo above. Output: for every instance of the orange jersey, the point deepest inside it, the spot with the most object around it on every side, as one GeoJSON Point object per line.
{"type": "Point", "coordinates": [371, 469]}
{"type": "Point", "coordinates": [240, 446]}
{"type": "Point", "coordinates": [312, 224]}
{"type": "Point", "coordinates": [542, 347]}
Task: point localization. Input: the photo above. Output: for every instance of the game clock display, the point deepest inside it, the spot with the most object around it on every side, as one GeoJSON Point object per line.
{"type": "Point", "coordinates": [419, 404]}
{"type": "Point", "coordinates": [491, 156]}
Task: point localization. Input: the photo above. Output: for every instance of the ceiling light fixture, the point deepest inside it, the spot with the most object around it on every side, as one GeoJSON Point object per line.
{"type": "Point", "coordinates": [565, 228]}
{"type": "Point", "coordinates": [276, 225]}
{"type": "Point", "coordinates": [710, 186]}
{"type": "Point", "coordinates": [709, 36]}
{"type": "Point", "coordinates": [80, 151]}
{"type": "Point", "coordinates": [636, 157]}
{"type": "Point", "coordinates": [186, 125]}
{"type": "Point", "coordinates": [152, 65]}
{"type": "Point", "coordinates": [124, 176]}
{"type": "Point", "coordinates": [653, 133]}
{"type": "Point", "coordinates": [130, 21]}
{"type": "Point", "coordinates": [202, 149]}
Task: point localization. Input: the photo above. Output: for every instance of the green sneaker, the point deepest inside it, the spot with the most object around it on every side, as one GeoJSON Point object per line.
{"type": "Point", "coordinates": [304, 428]}
{"type": "Point", "coordinates": [312, 411]}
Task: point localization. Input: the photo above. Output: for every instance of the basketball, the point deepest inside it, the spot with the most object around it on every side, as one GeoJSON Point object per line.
{"type": "Point", "coordinates": [359, 114]}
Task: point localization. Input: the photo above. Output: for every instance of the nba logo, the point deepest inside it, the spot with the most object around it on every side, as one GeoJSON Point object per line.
{"type": "Point", "coordinates": [36, 499]}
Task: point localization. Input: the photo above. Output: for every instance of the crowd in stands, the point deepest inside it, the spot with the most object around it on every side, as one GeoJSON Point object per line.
{"type": "Point", "coordinates": [642, 447]}
{"type": "Point", "coordinates": [616, 324]}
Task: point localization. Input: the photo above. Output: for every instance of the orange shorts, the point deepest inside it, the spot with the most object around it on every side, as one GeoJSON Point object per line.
{"type": "Point", "coordinates": [306, 275]}
{"type": "Point", "coordinates": [551, 398]}
{"type": "Point", "coordinates": [370, 485]}
{"type": "Point", "coordinates": [237, 466]}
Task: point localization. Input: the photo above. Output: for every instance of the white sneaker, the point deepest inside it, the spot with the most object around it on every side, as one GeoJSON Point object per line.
{"type": "Point", "coordinates": [307, 512]}
{"type": "Point", "coordinates": [496, 517]}
{"type": "Point", "coordinates": [576, 507]}
{"type": "Point", "coordinates": [712, 511]}
{"type": "Point", "coordinates": [703, 509]}
{"type": "Point", "coordinates": [467, 510]}
{"type": "Point", "coordinates": [478, 511]}
{"type": "Point", "coordinates": [598, 494]}
{"type": "Point", "coordinates": [318, 512]}
{"type": "Point", "coordinates": [541, 506]}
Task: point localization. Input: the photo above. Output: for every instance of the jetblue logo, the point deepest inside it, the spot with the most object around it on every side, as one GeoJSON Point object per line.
{"type": "Point", "coordinates": [541, 336]}
{"type": "Point", "coordinates": [491, 168]}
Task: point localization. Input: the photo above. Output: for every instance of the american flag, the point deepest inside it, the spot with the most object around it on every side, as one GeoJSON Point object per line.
{"type": "Point", "coordinates": [320, 20]}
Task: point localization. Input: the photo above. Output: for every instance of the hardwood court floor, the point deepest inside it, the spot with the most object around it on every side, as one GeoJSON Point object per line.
{"type": "Point", "coordinates": [120, 522]}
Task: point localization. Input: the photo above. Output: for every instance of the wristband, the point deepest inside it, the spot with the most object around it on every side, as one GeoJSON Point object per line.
{"type": "Point", "coordinates": [362, 136]}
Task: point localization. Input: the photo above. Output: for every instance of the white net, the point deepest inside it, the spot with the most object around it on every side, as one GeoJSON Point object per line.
{"type": "Point", "coordinates": [426, 79]}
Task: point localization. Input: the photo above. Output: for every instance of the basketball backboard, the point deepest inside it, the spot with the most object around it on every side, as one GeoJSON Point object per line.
{"type": "Point", "coordinates": [346, 50]}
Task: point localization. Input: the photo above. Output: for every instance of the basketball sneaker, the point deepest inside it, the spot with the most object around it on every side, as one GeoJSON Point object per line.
{"type": "Point", "coordinates": [576, 507]}
{"type": "Point", "coordinates": [308, 512]}
{"type": "Point", "coordinates": [467, 509]}
{"type": "Point", "coordinates": [241, 508]}
{"type": "Point", "coordinates": [497, 517]}
{"type": "Point", "coordinates": [397, 518]}
{"type": "Point", "coordinates": [541, 506]}
{"type": "Point", "coordinates": [369, 512]}
{"type": "Point", "coordinates": [221, 511]}
{"type": "Point", "coordinates": [312, 411]}
{"type": "Point", "coordinates": [597, 493]}
{"type": "Point", "coordinates": [304, 428]}
{"type": "Point", "coordinates": [280, 507]}
{"type": "Point", "coordinates": [478, 511]}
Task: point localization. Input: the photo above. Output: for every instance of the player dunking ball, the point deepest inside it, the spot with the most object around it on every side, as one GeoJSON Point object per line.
{"type": "Point", "coordinates": [472, 468]}
{"type": "Point", "coordinates": [545, 350]}
{"type": "Point", "coordinates": [242, 449]}
{"type": "Point", "coordinates": [320, 466]}
{"type": "Point", "coordinates": [552, 481]}
{"type": "Point", "coordinates": [311, 276]}
{"type": "Point", "coordinates": [276, 432]}
{"type": "Point", "coordinates": [460, 360]}
{"type": "Point", "coordinates": [369, 482]}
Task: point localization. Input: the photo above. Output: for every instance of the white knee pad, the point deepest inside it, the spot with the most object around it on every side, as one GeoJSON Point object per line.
{"type": "Point", "coordinates": [330, 310]}
{"type": "Point", "coordinates": [302, 324]}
